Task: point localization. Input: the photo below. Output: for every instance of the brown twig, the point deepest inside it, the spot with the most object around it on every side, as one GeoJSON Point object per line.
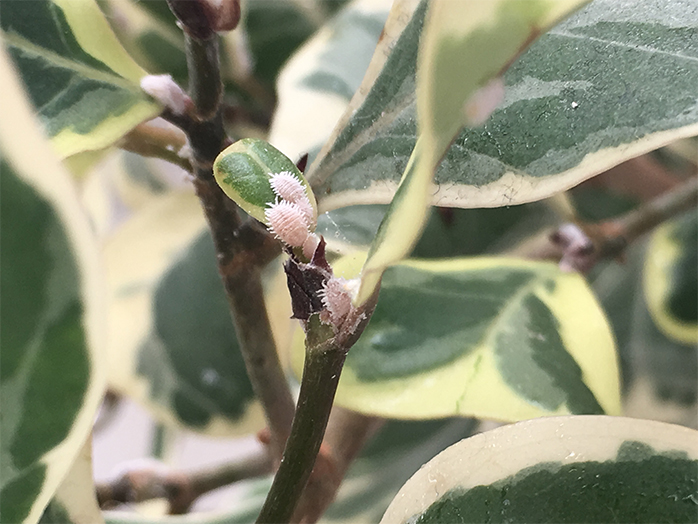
{"type": "Point", "coordinates": [242, 248]}
{"type": "Point", "coordinates": [157, 141]}
{"type": "Point", "coordinates": [580, 247]}
{"type": "Point", "coordinates": [180, 488]}
{"type": "Point", "coordinates": [636, 223]}
{"type": "Point", "coordinates": [642, 178]}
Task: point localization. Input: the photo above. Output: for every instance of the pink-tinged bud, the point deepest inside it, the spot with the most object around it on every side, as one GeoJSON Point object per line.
{"type": "Point", "coordinates": [223, 15]}
{"type": "Point", "coordinates": [287, 221]}
{"type": "Point", "coordinates": [194, 17]}
{"type": "Point", "coordinates": [166, 91]}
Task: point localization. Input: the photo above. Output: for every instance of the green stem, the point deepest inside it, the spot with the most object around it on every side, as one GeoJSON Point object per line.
{"type": "Point", "coordinates": [323, 365]}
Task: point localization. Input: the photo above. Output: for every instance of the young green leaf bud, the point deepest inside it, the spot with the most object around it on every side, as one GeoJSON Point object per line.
{"type": "Point", "coordinates": [257, 176]}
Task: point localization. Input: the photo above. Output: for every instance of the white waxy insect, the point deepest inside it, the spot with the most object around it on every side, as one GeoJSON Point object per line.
{"type": "Point", "coordinates": [336, 299]}
{"type": "Point", "coordinates": [166, 91]}
{"type": "Point", "coordinates": [288, 222]}
{"type": "Point", "coordinates": [287, 187]}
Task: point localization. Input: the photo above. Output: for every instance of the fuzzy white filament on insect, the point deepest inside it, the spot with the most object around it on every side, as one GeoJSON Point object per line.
{"type": "Point", "coordinates": [336, 297]}
{"type": "Point", "coordinates": [287, 187]}
{"type": "Point", "coordinates": [288, 223]}
{"type": "Point", "coordinates": [166, 91]}
{"type": "Point", "coordinates": [292, 217]}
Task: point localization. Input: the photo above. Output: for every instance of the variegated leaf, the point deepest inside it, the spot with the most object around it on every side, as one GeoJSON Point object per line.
{"type": "Point", "coordinates": [464, 48]}
{"type": "Point", "coordinates": [173, 346]}
{"type": "Point", "coordinates": [563, 469]}
{"type": "Point", "coordinates": [82, 83]}
{"type": "Point", "coordinates": [614, 81]}
{"type": "Point", "coordinates": [491, 338]}
{"type": "Point", "coordinates": [671, 283]}
{"type": "Point", "coordinates": [53, 316]}
{"type": "Point", "coordinates": [316, 84]}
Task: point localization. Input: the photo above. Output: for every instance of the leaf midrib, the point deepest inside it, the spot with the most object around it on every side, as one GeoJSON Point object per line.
{"type": "Point", "coordinates": [26, 46]}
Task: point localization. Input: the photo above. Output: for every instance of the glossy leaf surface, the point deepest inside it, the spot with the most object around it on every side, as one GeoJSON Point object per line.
{"type": "Point", "coordinates": [81, 81]}
{"type": "Point", "coordinates": [566, 469]}
{"type": "Point", "coordinates": [491, 338]}
{"type": "Point", "coordinates": [612, 82]}
{"type": "Point", "coordinates": [53, 319]}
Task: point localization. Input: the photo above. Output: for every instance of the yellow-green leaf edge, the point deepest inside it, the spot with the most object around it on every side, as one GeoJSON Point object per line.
{"type": "Point", "coordinates": [95, 36]}
{"type": "Point", "coordinates": [136, 257]}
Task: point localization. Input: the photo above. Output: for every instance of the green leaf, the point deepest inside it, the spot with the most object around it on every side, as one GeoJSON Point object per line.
{"type": "Point", "coordinates": [53, 319]}
{"type": "Point", "coordinates": [173, 346]}
{"type": "Point", "coordinates": [664, 385]}
{"type": "Point", "coordinates": [193, 333]}
{"type": "Point", "coordinates": [671, 283]}
{"type": "Point", "coordinates": [659, 375]}
{"type": "Point", "coordinates": [491, 338]}
{"type": "Point", "coordinates": [83, 84]}
{"type": "Point", "coordinates": [614, 81]}
{"type": "Point", "coordinates": [315, 86]}
{"type": "Point", "coordinates": [463, 48]}
{"type": "Point", "coordinates": [567, 469]}
{"type": "Point", "coordinates": [243, 171]}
